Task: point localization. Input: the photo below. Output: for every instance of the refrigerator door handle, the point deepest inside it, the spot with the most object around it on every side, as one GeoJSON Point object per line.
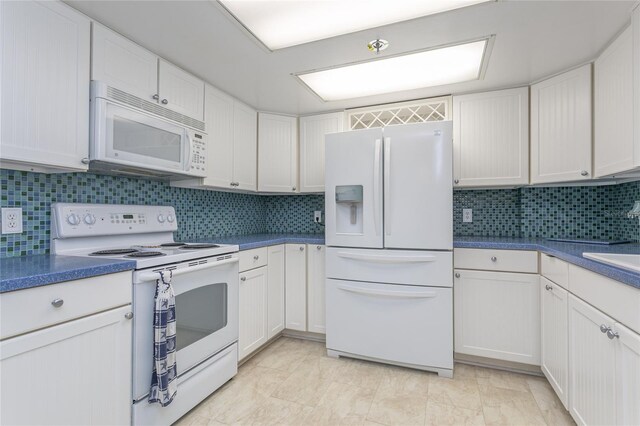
{"type": "Point", "coordinates": [387, 184]}
{"type": "Point", "coordinates": [376, 186]}
{"type": "Point", "coordinates": [387, 258]}
{"type": "Point", "coordinates": [390, 293]}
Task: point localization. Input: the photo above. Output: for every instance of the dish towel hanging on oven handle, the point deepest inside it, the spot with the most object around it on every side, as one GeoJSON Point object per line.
{"type": "Point", "coordinates": [164, 385]}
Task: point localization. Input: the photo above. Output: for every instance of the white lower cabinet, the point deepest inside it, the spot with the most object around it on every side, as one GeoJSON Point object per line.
{"type": "Point", "coordinates": [75, 373]}
{"type": "Point", "coordinates": [627, 376]}
{"type": "Point", "coordinates": [253, 310]}
{"type": "Point", "coordinates": [316, 278]}
{"type": "Point", "coordinates": [497, 315]}
{"type": "Point", "coordinates": [296, 287]}
{"type": "Point", "coordinates": [554, 344]}
{"type": "Point", "coordinates": [275, 291]}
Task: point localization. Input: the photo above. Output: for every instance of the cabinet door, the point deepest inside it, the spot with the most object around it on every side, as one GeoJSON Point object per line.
{"type": "Point", "coordinates": [277, 153]}
{"type": "Point", "coordinates": [497, 315]}
{"type": "Point", "coordinates": [245, 147]}
{"type": "Point", "coordinates": [123, 64]}
{"type": "Point", "coordinates": [79, 372]}
{"type": "Point", "coordinates": [592, 360]}
{"type": "Point", "coordinates": [180, 91]}
{"type": "Point", "coordinates": [613, 115]}
{"type": "Point", "coordinates": [312, 132]}
{"type": "Point", "coordinates": [635, 23]}
{"type": "Point", "coordinates": [44, 111]}
{"type": "Point", "coordinates": [554, 341]}
{"type": "Point", "coordinates": [316, 278]}
{"type": "Point", "coordinates": [561, 127]}
{"type": "Point", "coordinates": [627, 376]}
{"type": "Point", "coordinates": [253, 311]}
{"type": "Point", "coordinates": [491, 138]}
{"type": "Point", "coordinates": [275, 305]}
{"type": "Point", "coordinates": [296, 287]}
{"type": "Point", "coordinates": [219, 128]}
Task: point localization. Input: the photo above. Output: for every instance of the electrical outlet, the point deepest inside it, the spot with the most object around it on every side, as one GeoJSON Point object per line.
{"type": "Point", "coordinates": [12, 220]}
{"type": "Point", "coordinates": [317, 216]}
{"type": "Point", "coordinates": [467, 215]}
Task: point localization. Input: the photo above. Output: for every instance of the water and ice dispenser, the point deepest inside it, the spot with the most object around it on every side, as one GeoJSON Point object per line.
{"type": "Point", "coordinates": [349, 209]}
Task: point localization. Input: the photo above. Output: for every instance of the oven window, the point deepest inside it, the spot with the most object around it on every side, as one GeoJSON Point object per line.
{"type": "Point", "coordinates": [199, 313]}
{"type": "Point", "coordinates": [137, 138]}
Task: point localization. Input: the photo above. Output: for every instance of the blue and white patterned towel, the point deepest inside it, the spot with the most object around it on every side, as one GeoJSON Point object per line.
{"type": "Point", "coordinates": [163, 381]}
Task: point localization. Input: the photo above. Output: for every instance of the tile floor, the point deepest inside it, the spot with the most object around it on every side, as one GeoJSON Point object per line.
{"type": "Point", "coordinates": [293, 382]}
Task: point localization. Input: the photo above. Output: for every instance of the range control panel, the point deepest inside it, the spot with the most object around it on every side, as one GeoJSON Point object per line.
{"type": "Point", "coordinates": [80, 220]}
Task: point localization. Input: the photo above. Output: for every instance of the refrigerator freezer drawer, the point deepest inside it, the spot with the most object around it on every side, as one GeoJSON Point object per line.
{"type": "Point", "coordinates": [410, 267]}
{"type": "Point", "coordinates": [397, 323]}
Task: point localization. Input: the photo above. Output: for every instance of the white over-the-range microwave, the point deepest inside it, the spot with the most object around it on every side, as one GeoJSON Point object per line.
{"type": "Point", "coordinates": [130, 135]}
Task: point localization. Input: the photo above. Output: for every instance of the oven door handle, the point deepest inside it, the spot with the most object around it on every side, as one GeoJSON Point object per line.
{"type": "Point", "coordinates": [154, 275]}
{"type": "Point", "coordinates": [390, 293]}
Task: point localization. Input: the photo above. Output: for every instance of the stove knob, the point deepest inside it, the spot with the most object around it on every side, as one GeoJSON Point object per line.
{"type": "Point", "coordinates": [160, 218]}
{"type": "Point", "coordinates": [73, 219]}
{"type": "Point", "coordinates": [89, 219]}
{"type": "Point", "coordinates": [170, 218]}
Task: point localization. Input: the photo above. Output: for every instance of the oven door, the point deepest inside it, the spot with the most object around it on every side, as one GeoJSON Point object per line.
{"type": "Point", "coordinates": [206, 315]}
{"type": "Point", "coordinates": [133, 138]}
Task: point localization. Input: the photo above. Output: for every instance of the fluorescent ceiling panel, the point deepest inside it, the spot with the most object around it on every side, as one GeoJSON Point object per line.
{"type": "Point", "coordinates": [436, 67]}
{"type": "Point", "coordinates": [284, 23]}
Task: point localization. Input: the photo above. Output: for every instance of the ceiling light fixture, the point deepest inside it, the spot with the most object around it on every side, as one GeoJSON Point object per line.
{"type": "Point", "coordinates": [415, 70]}
{"type": "Point", "coordinates": [284, 23]}
{"type": "Point", "coordinates": [377, 45]}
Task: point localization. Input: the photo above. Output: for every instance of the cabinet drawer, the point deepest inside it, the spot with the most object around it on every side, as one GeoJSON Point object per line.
{"type": "Point", "coordinates": [555, 270]}
{"type": "Point", "coordinates": [496, 260]}
{"type": "Point", "coordinates": [30, 309]}
{"type": "Point", "coordinates": [250, 259]}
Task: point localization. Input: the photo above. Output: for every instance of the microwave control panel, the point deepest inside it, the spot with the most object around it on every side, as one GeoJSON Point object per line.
{"type": "Point", "coordinates": [198, 153]}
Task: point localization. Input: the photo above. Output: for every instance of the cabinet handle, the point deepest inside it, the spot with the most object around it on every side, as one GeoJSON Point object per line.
{"type": "Point", "coordinates": [612, 334]}
{"type": "Point", "coordinates": [301, 248]}
{"type": "Point", "coordinates": [604, 328]}
{"type": "Point", "coordinates": [256, 257]}
{"type": "Point", "coordinates": [494, 259]}
{"type": "Point", "coordinates": [85, 160]}
{"type": "Point", "coordinates": [456, 181]}
{"type": "Point", "coordinates": [243, 278]}
{"type": "Point", "coordinates": [548, 287]}
{"type": "Point", "coordinates": [584, 173]}
{"type": "Point", "coordinates": [164, 102]}
{"type": "Point", "coordinates": [457, 275]}
{"type": "Point", "coordinates": [155, 97]}
{"type": "Point", "coordinates": [128, 315]}
{"type": "Point", "coordinates": [57, 303]}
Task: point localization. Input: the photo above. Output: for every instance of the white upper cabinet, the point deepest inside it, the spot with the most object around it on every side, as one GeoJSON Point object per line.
{"type": "Point", "coordinates": [561, 127]}
{"type": "Point", "coordinates": [44, 80]}
{"type": "Point", "coordinates": [636, 83]}
{"type": "Point", "coordinates": [180, 91]}
{"type": "Point", "coordinates": [491, 138]}
{"type": "Point", "coordinates": [122, 64]}
{"type": "Point", "coordinates": [245, 147]}
{"type": "Point", "coordinates": [277, 153]}
{"type": "Point", "coordinates": [614, 147]}
{"type": "Point", "coordinates": [312, 132]}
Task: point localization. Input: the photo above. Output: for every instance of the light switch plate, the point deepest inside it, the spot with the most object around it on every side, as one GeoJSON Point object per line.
{"type": "Point", "coordinates": [12, 220]}
{"type": "Point", "coordinates": [317, 216]}
{"type": "Point", "coordinates": [467, 215]}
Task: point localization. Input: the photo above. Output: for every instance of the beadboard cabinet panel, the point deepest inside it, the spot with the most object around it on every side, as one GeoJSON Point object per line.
{"type": "Point", "coordinates": [277, 153]}
{"type": "Point", "coordinates": [491, 138]}
{"type": "Point", "coordinates": [561, 124]}
{"type": "Point", "coordinates": [183, 92]}
{"type": "Point", "coordinates": [296, 287]}
{"type": "Point", "coordinates": [316, 277]}
{"type": "Point", "coordinates": [219, 127]}
{"type": "Point", "coordinates": [635, 22]}
{"type": "Point", "coordinates": [614, 147]}
{"type": "Point", "coordinates": [627, 376]}
{"type": "Point", "coordinates": [276, 297]}
{"type": "Point", "coordinates": [44, 111]}
{"type": "Point", "coordinates": [312, 132]}
{"type": "Point", "coordinates": [253, 311]}
{"type": "Point", "coordinates": [245, 147]}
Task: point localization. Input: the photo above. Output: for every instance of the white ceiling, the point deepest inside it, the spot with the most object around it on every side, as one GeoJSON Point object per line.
{"type": "Point", "coordinates": [534, 39]}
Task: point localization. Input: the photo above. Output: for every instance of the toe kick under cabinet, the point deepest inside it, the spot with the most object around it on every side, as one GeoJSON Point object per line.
{"type": "Point", "coordinates": [65, 353]}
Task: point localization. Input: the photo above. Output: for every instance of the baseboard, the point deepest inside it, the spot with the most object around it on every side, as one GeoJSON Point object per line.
{"type": "Point", "coordinates": [305, 335]}
{"type": "Point", "coordinates": [515, 367]}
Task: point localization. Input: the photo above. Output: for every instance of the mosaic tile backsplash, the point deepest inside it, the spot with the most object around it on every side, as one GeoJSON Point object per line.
{"type": "Point", "coordinates": [573, 212]}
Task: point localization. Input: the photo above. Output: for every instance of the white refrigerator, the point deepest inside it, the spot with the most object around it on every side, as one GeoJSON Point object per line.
{"type": "Point", "coordinates": [389, 237]}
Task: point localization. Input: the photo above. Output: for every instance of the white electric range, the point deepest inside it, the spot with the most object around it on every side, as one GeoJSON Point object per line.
{"type": "Point", "coordinates": [205, 280]}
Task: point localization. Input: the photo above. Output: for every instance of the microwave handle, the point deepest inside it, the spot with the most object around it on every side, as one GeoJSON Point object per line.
{"type": "Point", "coordinates": [190, 148]}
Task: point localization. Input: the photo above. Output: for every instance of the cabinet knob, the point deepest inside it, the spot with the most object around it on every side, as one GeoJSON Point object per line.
{"type": "Point", "coordinates": [457, 275]}
{"type": "Point", "coordinates": [301, 248]}
{"type": "Point", "coordinates": [243, 278]}
{"type": "Point", "coordinates": [256, 257]}
{"type": "Point", "coordinates": [456, 181]}
{"type": "Point", "coordinates": [57, 303]}
{"type": "Point", "coordinates": [604, 328]}
{"type": "Point", "coordinates": [293, 189]}
{"type": "Point", "coordinates": [128, 315]}
{"type": "Point", "coordinates": [164, 102]}
{"type": "Point", "coordinates": [612, 334]}
{"type": "Point", "coordinates": [584, 173]}
{"type": "Point", "coordinates": [494, 259]}
{"type": "Point", "coordinates": [85, 160]}
{"type": "Point", "coordinates": [318, 247]}
{"type": "Point", "coordinates": [548, 287]}
{"type": "Point", "coordinates": [156, 97]}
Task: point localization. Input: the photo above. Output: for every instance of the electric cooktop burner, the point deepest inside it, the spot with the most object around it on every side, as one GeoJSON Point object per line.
{"type": "Point", "coordinates": [172, 244]}
{"type": "Point", "coordinates": [113, 251]}
{"type": "Point", "coordinates": [146, 254]}
{"type": "Point", "coordinates": [198, 246]}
